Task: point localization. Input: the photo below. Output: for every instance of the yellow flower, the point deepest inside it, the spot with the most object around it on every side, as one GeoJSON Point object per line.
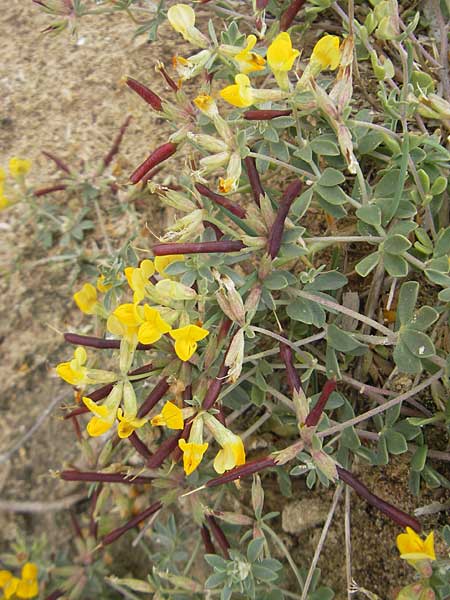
{"type": "Point", "coordinates": [101, 284]}
{"type": "Point", "coordinates": [19, 167]}
{"type": "Point", "coordinates": [138, 278]}
{"type": "Point", "coordinates": [153, 327]}
{"type": "Point", "coordinates": [207, 105]}
{"type": "Point", "coordinates": [186, 339]}
{"type": "Point", "coordinates": [412, 548]}
{"type": "Point", "coordinates": [239, 94]}
{"type": "Point", "coordinates": [171, 416]}
{"type": "Point", "coordinates": [225, 185]}
{"type": "Point", "coordinates": [74, 371]}
{"type": "Point", "coordinates": [247, 60]}
{"type": "Point", "coordinates": [280, 54]}
{"type": "Point", "coordinates": [86, 299]}
{"type": "Point", "coordinates": [9, 586]}
{"type": "Point", "coordinates": [232, 453]}
{"type": "Point", "coordinates": [104, 414]}
{"type": "Point", "coordinates": [182, 19]}
{"type": "Point", "coordinates": [125, 322]}
{"type": "Point", "coordinates": [326, 53]}
{"type": "Point", "coordinates": [28, 586]}
{"type": "Point", "coordinates": [192, 454]}
{"type": "Point", "coordinates": [128, 423]}
{"type": "Point", "coordinates": [4, 201]}
{"type": "Point", "coordinates": [162, 262]}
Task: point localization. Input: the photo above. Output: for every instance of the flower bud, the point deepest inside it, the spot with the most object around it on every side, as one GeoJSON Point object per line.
{"type": "Point", "coordinates": [208, 142]}
{"type": "Point", "coordinates": [257, 496]}
{"type": "Point", "coordinates": [235, 356]}
{"type": "Point", "coordinates": [229, 299]}
{"type": "Point", "coordinates": [172, 198]}
{"type": "Point", "coordinates": [211, 163]}
{"type": "Point", "coordinates": [175, 290]}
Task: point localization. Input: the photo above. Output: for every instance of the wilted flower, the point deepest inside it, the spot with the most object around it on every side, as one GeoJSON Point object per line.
{"type": "Point", "coordinates": [182, 19]}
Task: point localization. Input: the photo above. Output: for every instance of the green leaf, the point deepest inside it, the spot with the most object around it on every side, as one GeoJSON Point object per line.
{"type": "Point", "coordinates": [332, 195]}
{"type": "Point", "coordinates": [276, 281]}
{"type": "Point", "coordinates": [217, 562]}
{"type": "Point", "coordinates": [254, 549]}
{"type": "Point", "coordinates": [419, 458]}
{"type": "Point", "coordinates": [405, 360]}
{"type": "Point", "coordinates": [331, 177]}
{"type": "Point", "coordinates": [331, 363]}
{"type": "Point", "coordinates": [392, 414]}
{"type": "Point", "coordinates": [322, 145]}
{"type": "Point", "coordinates": [439, 186]}
{"type": "Point", "coordinates": [396, 266]}
{"type": "Point", "coordinates": [424, 318]}
{"type": "Point", "coordinates": [302, 203]}
{"type": "Point", "coordinates": [396, 443]}
{"type": "Point", "coordinates": [263, 574]}
{"type": "Point", "coordinates": [367, 264]}
{"type": "Point", "coordinates": [370, 214]}
{"type": "Point", "coordinates": [418, 343]}
{"type": "Point", "coordinates": [444, 295]}
{"type": "Point", "coordinates": [407, 301]}
{"type": "Point", "coordinates": [340, 340]}
{"type": "Point", "coordinates": [331, 280]}
{"type": "Point", "coordinates": [214, 580]}
{"type": "Point", "coordinates": [301, 310]}
{"type": "Point", "coordinates": [414, 482]}
{"type": "Point", "coordinates": [396, 244]}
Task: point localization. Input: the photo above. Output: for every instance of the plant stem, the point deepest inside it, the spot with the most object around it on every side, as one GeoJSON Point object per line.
{"type": "Point", "coordinates": [285, 551]}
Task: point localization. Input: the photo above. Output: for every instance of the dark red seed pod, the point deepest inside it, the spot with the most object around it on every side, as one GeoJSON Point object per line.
{"type": "Point", "coordinates": [165, 449]}
{"type": "Point", "coordinates": [314, 416]}
{"type": "Point", "coordinates": [224, 329]}
{"type": "Point", "coordinates": [91, 341]}
{"type": "Point", "coordinates": [287, 356]}
{"type": "Point", "coordinates": [116, 144]}
{"type": "Point", "coordinates": [145, 93]}
{"type": "Point", "coordinates": [394, 513]}
{"type": "Point", "coordinates": [221, 200]}
{"type": "Point", "coordinates": [219, 233]}
{"type": "Point", "coordinates": [153, 398]}
{"type": "Point", "coordinates": [290, 13]}
{"type": "Point", "coordinates": [253, 177]}
{"type": "Point", "coordinates": [139, 446]}
{"type": "Point", "coordinates": [142, 516]}
{"type": "Point", "coordinates": [95, 476]}
{"type": "Point", "coordinates": [197, 248]}
{"type": "Point", "coordinates": [207, 541]}
{"type": "Point", "coordinates": [170, 82]}
{"type": "Point", "coordinates": [219, 535]}
{"type": "Point", "coordinates": [249, 468]}
{"type": "Point", "coordinates": [58, 162]}
{"type": "Point", "coordinates": [158, 156]}
{"type": "Point", "coordinates": [276, 233]}
{"type": "Point", "coordinates": [214, 389]}
{"type": "Point", "coordinates": [49, 190]}
{"type": "Point", "coordinates": [265, 115]}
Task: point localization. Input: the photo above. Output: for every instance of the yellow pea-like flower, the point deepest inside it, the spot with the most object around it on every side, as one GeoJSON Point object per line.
{"type": "Point", "coordinates": [247, 60]}
{"type": "Point", "coordinates": [19, 167]}
{"type": "Point", "coordinates": [327, 53]}
{"type": "Point", "coordinates": [192, 455]}
{"type": "Point", "coordinates": [153, 327]}
{"type": "Point", "coordinates": [186, 339]}
{"type": "Point", "coordinates": [74, 371]}
{"type": "Point", "coordinates": [171, 416]}
{"type": "Point", "coordinates": [86, 299]}
{"type": "Point", "coordinates": [101, 286]}
{"type": "Point", "coordinates": [138, 278]}
{"type": "Point", "coordinates": [128, 423]}
{"type": "Point", "coordinates": [280, 54]}
{"type": "Point", "coordinates": [232, 453]}
{"type": "Point", "coordinates": [182, 19]}
{"type": "Point", "coordinates": [240, 93]}
{"type": "Point", "coordinates": [104, 414]}
{"type": "Point", "coordinates": [28, 586]}
{"type": "Point", "coordinates": [413, 548]}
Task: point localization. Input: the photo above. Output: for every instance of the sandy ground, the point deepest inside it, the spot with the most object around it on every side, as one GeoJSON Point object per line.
{"type": "Point", "coordinates": [65, 96]}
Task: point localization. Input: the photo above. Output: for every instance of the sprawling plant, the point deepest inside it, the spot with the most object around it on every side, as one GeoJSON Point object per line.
{"type": "Point", "coordinates": [296, 185]}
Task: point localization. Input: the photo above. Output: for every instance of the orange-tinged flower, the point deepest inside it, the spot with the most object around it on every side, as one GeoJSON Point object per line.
{"type": "Point", "coordinates": [192, 455]}
{"type": "Point", "coordinates": [186, 339]}
{"type": "Point", "coordinates": [413, 548]}
{"type": "Point", "coordinates": [171, 416]}
{"type": "Point", "coordinates": [101, 284]}
{"type": "Point", "coordinates": [247, 60]}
